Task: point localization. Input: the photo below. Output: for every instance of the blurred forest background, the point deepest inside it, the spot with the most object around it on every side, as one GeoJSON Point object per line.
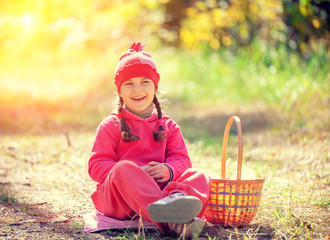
{"type": "Point", "coordinates": [56, 53]}
{"type": "Point", "coordinates": [266, 61]}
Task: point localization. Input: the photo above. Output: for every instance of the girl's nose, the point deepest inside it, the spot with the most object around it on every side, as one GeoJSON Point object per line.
{"type": "Point", "coordinates": [137, 86]}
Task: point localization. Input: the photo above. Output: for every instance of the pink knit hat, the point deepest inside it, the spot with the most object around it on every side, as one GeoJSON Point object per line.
{"type": "Point", "coordinates": [135, 63]}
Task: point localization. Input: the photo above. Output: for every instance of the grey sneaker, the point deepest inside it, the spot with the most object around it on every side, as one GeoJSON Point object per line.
{"type": "Point", "coordinates": [190, 230]}
{"type": "Point", "coordinates": [176, 208]}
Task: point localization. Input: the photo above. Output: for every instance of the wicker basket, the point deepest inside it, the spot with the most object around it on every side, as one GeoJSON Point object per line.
{"type": "Point", "coordinates": [233, 202]}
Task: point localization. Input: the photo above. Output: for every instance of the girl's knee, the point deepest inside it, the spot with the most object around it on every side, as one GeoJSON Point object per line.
{"type": "Point", "coordinates": [123, 169]}
{"type": "Point", "coordinates": [125, 164]}
{"type": "Point", "coordinates": [193, 175]}
{"type": "Point", "coordinates": [195, 172]}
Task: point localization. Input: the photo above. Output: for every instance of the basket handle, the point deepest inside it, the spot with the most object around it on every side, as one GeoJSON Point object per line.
{"type": "Point", "coordinates": [240, 147]}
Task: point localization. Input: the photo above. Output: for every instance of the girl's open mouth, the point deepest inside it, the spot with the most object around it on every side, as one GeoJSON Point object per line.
{"type": "Point", "coordinates": [138, 98]}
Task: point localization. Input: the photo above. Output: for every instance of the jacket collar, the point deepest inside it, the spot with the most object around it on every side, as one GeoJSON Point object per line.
{"type": "Point", "coordinates": [129, 115]}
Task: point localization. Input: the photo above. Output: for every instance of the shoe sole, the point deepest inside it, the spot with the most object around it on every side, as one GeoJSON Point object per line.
{"type": "Point", "coordinates": [182, 210]}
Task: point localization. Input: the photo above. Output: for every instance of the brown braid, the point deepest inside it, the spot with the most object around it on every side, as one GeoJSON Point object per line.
{"type": "Point", "coordinates": [159, 136]}
{"type": "Point", "coordinates": [126, 134]}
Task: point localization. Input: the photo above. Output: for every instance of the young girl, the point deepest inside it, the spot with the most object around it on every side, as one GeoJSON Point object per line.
{"type": "Point", "coordinates": [139, 157]}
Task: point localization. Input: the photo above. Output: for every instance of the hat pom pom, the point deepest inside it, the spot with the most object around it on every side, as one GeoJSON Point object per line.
{"type": "Point", "coordinates": [136, 47]}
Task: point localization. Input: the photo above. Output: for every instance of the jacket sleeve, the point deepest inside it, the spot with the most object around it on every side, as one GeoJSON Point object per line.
{"type": "Point", "coordinates": [103, 156]}
{"type": "Point", "coordinates": [176, 156]}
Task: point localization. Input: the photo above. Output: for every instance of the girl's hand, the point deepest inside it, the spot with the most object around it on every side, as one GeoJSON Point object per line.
{"type": "Point", "coordinates": [145, 168]}
{"type": "Point", "coordinates": [159, 172]}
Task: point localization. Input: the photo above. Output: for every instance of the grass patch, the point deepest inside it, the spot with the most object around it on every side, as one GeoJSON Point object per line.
{"type": "Point", "coordinates": [322, 201]}
{"type": "Point", "coordinates": [5, 197]}
{"type": "Point", "coordinates": [298, 89]}
{"type": "Point", "coordinates": [273, 75]}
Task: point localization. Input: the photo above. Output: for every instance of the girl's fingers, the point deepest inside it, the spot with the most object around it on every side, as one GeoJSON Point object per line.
{"type": "Point", "coordinates": [155, 172]}
{"type": "Point", "coordinates": [153, 163]}
{"type": "Point", "coordinates": [157, 168]}
{"type": "Point", "coordinates": [157, 176]}
{"type": "Point", "coordinates": [159, 172]}
{"type": "Point", "coordinates": [145, 167]}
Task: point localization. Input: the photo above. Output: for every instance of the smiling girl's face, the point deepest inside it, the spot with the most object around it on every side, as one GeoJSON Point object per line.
{"type": "Point", "coordinates": [138, 94]}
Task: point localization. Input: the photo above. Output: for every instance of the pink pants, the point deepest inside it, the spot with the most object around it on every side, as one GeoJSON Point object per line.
{"type": "Point", "coordinates": [128, 190]}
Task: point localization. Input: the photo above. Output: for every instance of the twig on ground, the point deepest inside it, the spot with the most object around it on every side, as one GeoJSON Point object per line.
{"type": "Point", "coordinates": [66, 134]}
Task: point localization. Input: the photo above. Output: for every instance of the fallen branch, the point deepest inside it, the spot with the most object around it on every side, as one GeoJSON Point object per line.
{"type": "Point", "coordinates": [15, 183]}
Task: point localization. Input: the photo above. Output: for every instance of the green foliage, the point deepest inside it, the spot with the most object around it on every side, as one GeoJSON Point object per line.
{"type": "Point", "coordinates": [33, 28]}
{"type": "Point", "coordinates": [306, 24]}
{"type": "Point", "coordinates": [300, 25]}
{"type": "Point", "coordinates": [275, 76]}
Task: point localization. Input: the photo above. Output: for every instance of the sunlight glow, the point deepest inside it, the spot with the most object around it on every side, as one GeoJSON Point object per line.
{"type": "Point", "coordinates": [28, 21]}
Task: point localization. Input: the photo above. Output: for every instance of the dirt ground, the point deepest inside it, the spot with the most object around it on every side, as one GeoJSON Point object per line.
{"type": "Point", "coordinates": [45, 188]}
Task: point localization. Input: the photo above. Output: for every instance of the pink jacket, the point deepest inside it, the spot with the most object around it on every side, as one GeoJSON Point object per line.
{"type": "Point", "coordinates": [109, 148]}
